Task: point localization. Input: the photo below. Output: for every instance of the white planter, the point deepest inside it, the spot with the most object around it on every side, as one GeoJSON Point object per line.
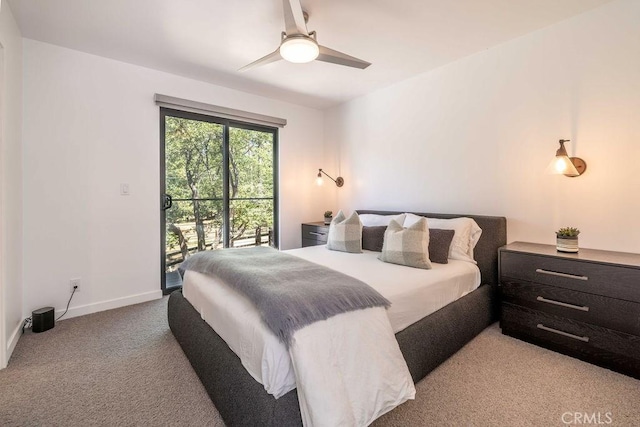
{"type": "Point", "coordinates": [567, 244]}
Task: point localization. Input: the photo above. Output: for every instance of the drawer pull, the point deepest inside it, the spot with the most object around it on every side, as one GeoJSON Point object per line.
{"type": "Point", "coordinates": [313, 233]}
{"type": "Point", "coordinates": [563, 304]}
{"type": "Point", "coordinates": [555, 273]}
{"type": "Point", "coordinates": [565, 334]}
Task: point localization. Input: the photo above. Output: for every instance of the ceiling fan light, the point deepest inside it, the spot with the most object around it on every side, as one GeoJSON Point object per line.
{"type": "Point", "coordinates": [299, 50]}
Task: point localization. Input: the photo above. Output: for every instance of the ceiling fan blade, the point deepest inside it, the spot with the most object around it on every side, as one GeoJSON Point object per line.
{"type": "Point", "coordinates": [335, 57]}
{"type": "Point", "coordinates": [268, 59]}
{"type": "Point", "coordinates": [294, 18]}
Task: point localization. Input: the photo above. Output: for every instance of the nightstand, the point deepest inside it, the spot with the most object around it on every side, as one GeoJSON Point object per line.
{"type": "Point", "coordinates": [585, 305]}
{"type": "Point", "coordinates": [314, 233]}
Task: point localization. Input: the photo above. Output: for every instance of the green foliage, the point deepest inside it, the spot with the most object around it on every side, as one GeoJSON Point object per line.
{"type": "Point", "coordinates": [250, 176]}
{"type": "Point", "coordinates": [328, 214]}
{"type": "Point", "coordinates": [568, 232]}
{"type": "Point", "coordinates": [194, 154]}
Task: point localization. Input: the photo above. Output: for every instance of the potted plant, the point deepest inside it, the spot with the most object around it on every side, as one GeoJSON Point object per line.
{"type": "Point", "coordinates": [328, 216]}
{"type": "Point", "coordinates": [567, 239]}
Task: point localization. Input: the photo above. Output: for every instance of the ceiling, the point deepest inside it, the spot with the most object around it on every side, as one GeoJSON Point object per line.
{"type": "Point", "coordinates": [210, 40]}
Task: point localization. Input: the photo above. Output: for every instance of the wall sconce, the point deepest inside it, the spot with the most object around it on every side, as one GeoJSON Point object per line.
{"type": "Point", "coordinates": [339, 181]}
{"type": "Point", "coordinates": [565, 165]}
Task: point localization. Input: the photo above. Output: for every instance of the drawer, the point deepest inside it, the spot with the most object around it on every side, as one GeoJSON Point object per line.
{"type": "Point", "coordinates": [611, 313]}
{"type": "Point", "coordinates": [315, 232]}
{"type": "Point", "coordinates": [602, 346]}
{"type": "Point", "coordinates": [612, 281]}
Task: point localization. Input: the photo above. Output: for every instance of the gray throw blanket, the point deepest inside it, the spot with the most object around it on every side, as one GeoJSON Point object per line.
{"type": "Point", "coordinates": [289, 292]}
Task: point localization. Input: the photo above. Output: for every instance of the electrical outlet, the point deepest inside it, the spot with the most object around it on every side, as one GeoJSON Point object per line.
{"type": "Point", "coordinates": [74, 284]}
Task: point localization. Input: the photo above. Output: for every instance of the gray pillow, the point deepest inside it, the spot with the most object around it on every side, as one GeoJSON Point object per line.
{"type": "Point", "coordinates": [345, 234]}
{"type": "Point", "coordinates": [439, 243]}
{"type": "Point", "coordinates": [407, 246]}
{"type": "Point", "coordinates": [373, 237]}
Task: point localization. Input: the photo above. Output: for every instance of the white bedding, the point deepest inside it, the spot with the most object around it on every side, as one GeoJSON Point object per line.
{"type": "Point", "coordinates": [414, 293]}
{"type": "Point", "coordinates": [349, 369]}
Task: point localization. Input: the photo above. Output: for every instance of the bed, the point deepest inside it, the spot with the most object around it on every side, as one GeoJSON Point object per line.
{"type": "Point", "coordinates": [241, 400]}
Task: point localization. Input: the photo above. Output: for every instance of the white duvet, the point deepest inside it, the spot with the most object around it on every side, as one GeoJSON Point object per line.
{"type": "Point", "coordinates": [414, 292]}
{"type": "Point", "coordinates": [330, 355]}
{"type": "Point", "coordinates": [349, 369]}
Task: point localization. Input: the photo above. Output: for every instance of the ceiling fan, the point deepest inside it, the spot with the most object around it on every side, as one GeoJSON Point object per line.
{"type": "Point", "coordinates": [299, 45]}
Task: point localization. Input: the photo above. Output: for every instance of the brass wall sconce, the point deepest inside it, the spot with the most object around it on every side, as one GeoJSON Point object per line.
{"type": "Point", "coordinates": [339, 181]}
{"type": "Point", "coordinates": [562, 164]}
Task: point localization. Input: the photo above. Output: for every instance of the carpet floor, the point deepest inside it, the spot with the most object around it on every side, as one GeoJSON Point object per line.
{"type": "Point", "coordinates": [123, 367]}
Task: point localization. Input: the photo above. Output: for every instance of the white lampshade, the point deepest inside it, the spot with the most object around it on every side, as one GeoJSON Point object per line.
{"type": "Point", "coordinates": [561, 164]}
{"type": "Point", "coordinates": [299, 49]}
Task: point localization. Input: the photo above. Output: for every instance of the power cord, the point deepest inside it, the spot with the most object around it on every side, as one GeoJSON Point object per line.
{"type": "Point", "coordinates": [26, 324]}
{"type": "Point", "coordinates": [69, 302]}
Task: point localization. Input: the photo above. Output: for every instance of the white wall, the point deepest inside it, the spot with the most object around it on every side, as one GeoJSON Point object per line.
{"type": "Point", "coordinates": [476, 136]}
{"type": "Point", "coordinates": [90, 123]}
{"type": "Point", "coordinates": [10, 183]}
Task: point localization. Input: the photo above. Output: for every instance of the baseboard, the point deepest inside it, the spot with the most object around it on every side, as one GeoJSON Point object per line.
{"type": "Point", "coordinates": [95, 307]}
{"type": "Point", "coordinates": [13, 341]}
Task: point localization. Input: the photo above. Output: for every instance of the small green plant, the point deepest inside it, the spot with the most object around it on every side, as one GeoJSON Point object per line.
{"type": "Point", "coordinates": [328, 214]}
{"type": "Point", "coordinates": [568, 232]}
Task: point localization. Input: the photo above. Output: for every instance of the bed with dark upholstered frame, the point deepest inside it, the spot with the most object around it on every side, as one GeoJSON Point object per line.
{"type": "Point", "coordinates": [242, 401]}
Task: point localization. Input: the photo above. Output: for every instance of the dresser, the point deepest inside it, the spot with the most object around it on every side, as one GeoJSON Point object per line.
{"type": "Point", "coordinates": [314, 233]}
{"type": "Point", "coordinates": [585, 305]}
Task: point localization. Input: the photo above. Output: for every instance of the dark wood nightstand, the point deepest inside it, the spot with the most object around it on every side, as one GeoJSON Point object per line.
{"type": "Point", "coordinates": [585, 305]}
{"type": "Point", "coordinates": [314, 233]}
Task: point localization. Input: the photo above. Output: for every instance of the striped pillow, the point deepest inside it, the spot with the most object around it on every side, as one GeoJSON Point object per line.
{"type": "Point", "coordinates": [407, 246]}
{"type": "Point", "coordinates": [345, 234]}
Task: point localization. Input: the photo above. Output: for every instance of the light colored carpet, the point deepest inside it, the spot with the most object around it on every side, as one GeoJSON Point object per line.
{"type": "Point", "coordinates": [497, 380]}
{"type": "Point", "coordinates": [116, 367]}
{"type": "Point", "coordinates": [123, 367]}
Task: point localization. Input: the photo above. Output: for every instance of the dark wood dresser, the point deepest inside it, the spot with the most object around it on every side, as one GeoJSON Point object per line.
{"type": "Point", "coordinates": [314, 233]}
{"type": "Point", "coordinates": [585, 305]}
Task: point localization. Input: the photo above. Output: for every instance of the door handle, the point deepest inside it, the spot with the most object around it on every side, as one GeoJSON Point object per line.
{"type": "Point", "coordinates": [167, 202]}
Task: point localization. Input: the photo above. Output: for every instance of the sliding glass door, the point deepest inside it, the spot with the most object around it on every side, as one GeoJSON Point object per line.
{"type": "Point", "coordinates": [219, 187]}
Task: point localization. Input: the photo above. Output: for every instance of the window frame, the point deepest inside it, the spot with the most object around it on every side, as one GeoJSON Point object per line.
{"type": "Point", "coordinates": [226, 123]}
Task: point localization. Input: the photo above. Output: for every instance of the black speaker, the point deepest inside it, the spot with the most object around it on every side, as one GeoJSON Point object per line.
{"type": "Point", "coordinates": [43, 319]}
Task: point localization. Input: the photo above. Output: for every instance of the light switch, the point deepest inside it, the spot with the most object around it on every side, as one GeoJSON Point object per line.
{"type": "Point", "coordinates": [124, 189]}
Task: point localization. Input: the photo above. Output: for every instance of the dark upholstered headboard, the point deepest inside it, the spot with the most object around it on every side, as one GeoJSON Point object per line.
{"type": "Point", "coordinates": [494, 235]}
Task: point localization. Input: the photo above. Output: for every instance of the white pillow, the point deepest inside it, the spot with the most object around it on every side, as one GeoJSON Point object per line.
{"type": "Point", "coordinates": [373, 220]}
{"type": "Point", "coordinates": [345, 234]}
{"type": "Point", "coordinates": [465, 238]}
